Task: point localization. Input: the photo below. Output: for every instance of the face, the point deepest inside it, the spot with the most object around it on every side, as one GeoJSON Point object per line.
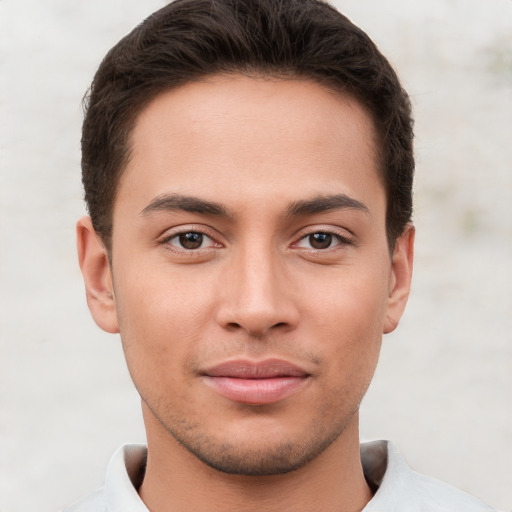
{"type": "Point", "coordinates": [251, 279]}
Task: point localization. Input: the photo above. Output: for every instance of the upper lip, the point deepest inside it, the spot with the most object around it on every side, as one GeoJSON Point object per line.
{"type": "Point", "coordinates": [245, 369]}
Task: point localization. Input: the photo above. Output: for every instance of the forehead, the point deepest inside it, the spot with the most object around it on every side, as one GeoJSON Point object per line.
{"type": "Point", "coordinates": [239, 136]}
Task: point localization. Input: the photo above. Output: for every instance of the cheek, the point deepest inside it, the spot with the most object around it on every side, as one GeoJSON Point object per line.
{"type": "Point", "coordinates": [160, 320]}
{"type": "Point", "coordinates": [353, 304]}
{"type": "Point", "coordinates": [348, 319]}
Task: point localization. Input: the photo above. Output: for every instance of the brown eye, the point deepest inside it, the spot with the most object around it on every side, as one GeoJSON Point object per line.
{"type": "Point", "coordinates": [320, 240]}
{"type": "Point", "coordinates": [192, 240]}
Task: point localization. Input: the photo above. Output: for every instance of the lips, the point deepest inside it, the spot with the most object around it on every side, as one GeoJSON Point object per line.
{"type": "Point", "coordinates": [256, 383]}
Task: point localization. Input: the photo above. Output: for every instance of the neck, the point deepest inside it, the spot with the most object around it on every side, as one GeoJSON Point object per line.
{"type": "Point", "coordinates": [177, 481]}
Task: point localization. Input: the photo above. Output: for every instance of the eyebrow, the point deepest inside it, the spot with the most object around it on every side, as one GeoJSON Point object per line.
{"type": "Point", "coordinates": [191, 204]}
{"type": "Point", "coordinates": [322, 204]}
{"type": "Point", "coordinates": [178, 202]}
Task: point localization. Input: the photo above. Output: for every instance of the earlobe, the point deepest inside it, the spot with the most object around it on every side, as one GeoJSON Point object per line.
{"type": "Point", "coordinates": [400, 281]}
{"type": "Point", "coordinates": [96, 271]}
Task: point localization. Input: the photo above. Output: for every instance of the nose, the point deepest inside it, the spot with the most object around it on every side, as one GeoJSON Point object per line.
{"type": "Point", "coordinates": [256, 295]}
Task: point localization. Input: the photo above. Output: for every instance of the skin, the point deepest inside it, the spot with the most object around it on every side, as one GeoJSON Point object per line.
{"type": "Point", "coordinates": [258, 286]}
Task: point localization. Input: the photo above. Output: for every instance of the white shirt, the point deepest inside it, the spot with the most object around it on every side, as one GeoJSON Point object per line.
{"type": "Point", "coordinates": [399, 488]}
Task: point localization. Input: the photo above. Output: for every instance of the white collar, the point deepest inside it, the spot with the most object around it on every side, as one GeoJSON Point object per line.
{"type": "Point", "coordinates": [399, 488]}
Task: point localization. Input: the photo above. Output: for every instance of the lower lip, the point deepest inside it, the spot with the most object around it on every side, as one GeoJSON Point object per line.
{"type": "Point", "coordinates": [256, 391]}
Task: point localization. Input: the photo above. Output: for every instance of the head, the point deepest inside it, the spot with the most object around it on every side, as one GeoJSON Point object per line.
{"type": "Point", "coordinates": [190, 40]}
{"type": "Point", "coordinates": [248, 167]}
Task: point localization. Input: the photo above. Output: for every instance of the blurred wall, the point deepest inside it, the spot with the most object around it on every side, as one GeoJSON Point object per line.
{"type": "Point", "coordinates": [442, 390]}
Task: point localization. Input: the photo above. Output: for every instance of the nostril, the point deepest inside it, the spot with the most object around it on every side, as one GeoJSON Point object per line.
{"type": "Point", "coordinates": [234, 326]}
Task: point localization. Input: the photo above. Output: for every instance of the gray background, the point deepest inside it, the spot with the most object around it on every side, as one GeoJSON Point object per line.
{"type": "Point", "coordinates": [442, 391]}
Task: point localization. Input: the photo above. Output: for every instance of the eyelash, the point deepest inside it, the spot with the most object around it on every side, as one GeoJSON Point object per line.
{"type": "Point", "coordinates": [167, 239]}
{"type": "Point", "coordinates": [341, 240]}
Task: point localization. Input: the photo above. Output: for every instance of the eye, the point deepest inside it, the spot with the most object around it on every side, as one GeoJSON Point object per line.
{"type": "Point", "coordinates": [321, 240]}
{"type": "Point", "coordinates": [190, 241]}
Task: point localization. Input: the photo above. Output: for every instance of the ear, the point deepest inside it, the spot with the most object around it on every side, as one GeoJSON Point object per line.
{"type": "Point", "coordinates": [97, 274]}
{"type": "Point", "coordinates": [400, 280]}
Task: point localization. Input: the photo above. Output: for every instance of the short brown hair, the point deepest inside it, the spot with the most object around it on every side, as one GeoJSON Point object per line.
{"type": "Point", "coordinates": [190, 39]}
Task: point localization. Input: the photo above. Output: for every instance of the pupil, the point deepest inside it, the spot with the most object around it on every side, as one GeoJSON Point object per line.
{"type": "Point", "coordinates": [191, 240]}
{"type": "Point", "coordinates": [320, 240]}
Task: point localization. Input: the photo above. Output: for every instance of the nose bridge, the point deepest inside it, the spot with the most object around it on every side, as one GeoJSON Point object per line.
{"type": "Point", "coordinates": [258, 298]}
{"type": "Point", "coordinates": [258, 276]}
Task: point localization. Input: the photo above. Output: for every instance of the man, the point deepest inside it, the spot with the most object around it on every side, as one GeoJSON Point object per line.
{"type": "Point", "coordinates": [248, 169]}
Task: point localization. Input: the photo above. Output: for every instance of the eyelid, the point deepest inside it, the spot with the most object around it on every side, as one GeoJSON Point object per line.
{"type": "Point", "coordinates": [176, 231]}
{"type": "Point", "coordinates": [344, 236]}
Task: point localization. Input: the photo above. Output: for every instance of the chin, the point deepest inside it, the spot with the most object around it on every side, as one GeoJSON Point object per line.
{"type": "Point", "coordinates": [251, 457]}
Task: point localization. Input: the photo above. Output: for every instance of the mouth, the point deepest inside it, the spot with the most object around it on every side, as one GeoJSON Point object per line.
{"type": "Point", "coordinates": [256, 383]}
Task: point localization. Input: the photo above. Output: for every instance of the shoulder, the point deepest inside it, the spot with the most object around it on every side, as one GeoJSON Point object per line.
{"type": "Point", "coordinates": [122, 479]}
{"type": "Point", "coordinates": [94, 502]}
{"type": "Point", "coordinates": [432, 494]}
{"type": "Point", "coordinates": [401, 489]}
